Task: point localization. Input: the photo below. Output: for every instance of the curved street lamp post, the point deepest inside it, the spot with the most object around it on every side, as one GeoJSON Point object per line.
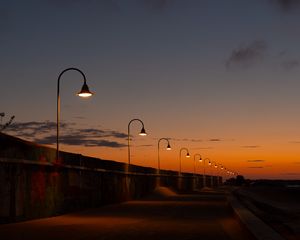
{"type": "Point", "coordinates": [213, 165]}
{"type": "Point", "coordinates": [200, 160]}
{"type": "Point", "coordinates": [84, 93]}
{"type": "Point", "coordinates": [204, 182]}
{"type": "Point", "coordinates": [142, 133]}
{"type": "Point", "coordinates": [168, 148]}
{"type": "Point", "coordinates": [187, 156]}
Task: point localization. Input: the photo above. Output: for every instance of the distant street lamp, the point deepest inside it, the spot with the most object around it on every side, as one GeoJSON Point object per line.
{"type": "Point", "coordinates": [204, 182]}
{"type": "Point", "coordinates": [221, 167]}
{"type": "Point", "coordinates": [200, 160]}
{"type": "Point", "coordinates": [195, 179]}
{"type": "Point", "coordinates": [142, 133]}
{"type": "Point", "coordinates": [168, 148]}
{"type": "Point", "coordinates": [214, 165]}
{"type": "Point", "coordinates": [187, 156]}
{"type": "Point", "coordinates": [84, 93]}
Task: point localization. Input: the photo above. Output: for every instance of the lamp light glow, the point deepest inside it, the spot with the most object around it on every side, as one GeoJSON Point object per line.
{"type": "Point", "coordinates": [143, 132]}
{"type": "Point", "coordinates": [169, 147]}
{"type": "Point", "coordinates": [85, 91]}
{"type": "Point", "coordinates": [188, 155]}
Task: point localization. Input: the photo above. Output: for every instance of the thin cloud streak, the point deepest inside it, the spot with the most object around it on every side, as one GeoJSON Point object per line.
{"type": "Point", "coordinates": [43, 133]}
{"type": "Point", "coordinates": [144, 145]}
{"type": "Point", "coordinates": [256, 160]}
{"type": "Point", "coordinates": [286, 5]}
{"type": "Point", "coordinates": [186, 140]}
{"type": "Point", "coordinates": [290, 64]}
{"type": "Point", "coordinates": [75, 140]}
{"type": "Point", "coordinates": [247, 55]}
{"type": "Point", "coordinates": [251, 146]}
{"type": "Point", "coordinates": [215, 140]}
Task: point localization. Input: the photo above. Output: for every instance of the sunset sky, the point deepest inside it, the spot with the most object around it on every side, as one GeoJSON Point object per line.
{"type": "Point", "coordinates": [221, 78]}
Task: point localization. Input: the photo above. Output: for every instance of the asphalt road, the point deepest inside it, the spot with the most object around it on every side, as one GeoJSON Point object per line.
{"type": "Point", "coordinates": [204, 216]}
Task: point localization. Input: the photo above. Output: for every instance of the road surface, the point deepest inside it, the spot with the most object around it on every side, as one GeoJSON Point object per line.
{"type": "Point", "coordinates": [183, 217]}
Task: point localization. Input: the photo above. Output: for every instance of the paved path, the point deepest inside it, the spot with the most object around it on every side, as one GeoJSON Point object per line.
{"type": "Point", "coordinates": [204, 216]}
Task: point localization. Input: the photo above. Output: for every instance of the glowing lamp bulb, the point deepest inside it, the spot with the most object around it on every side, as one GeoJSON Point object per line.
{"type": "Point", "coordinates": [169, 147]}
{"type": "Point", "coordinates": [143, 132]}
{"type": "Point", "coordinates": [85, 92]}
{"type": "Point", "coordinates": [188, 155]}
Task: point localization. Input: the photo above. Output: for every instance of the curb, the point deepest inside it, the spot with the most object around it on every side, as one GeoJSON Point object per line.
{"type": "Point", "coordinates": [259, 229]}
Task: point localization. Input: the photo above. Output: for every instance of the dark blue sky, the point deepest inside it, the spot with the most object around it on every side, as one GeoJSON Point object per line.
{"type": "Point", "coordinates": [192, 69]}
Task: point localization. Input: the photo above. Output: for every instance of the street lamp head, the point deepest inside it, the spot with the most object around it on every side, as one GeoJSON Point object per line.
{"type": "Point", "coordinates": [85, 92]}
{"type": "Point", "coordinates": [188, 155]}
{"type": "Point", "coordinates": [143, 132]}
{"type": "Point", "coordinates": [209, 163]}
{"type": "Point", "coordinates": [169, 147]}
{"type": "Point", "coordinates": [200, 160]}
{"type": "Point", "coordinates": [216, 166]}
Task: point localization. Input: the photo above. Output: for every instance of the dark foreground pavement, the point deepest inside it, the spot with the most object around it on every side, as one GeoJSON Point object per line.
{"type": "Point", "coordinates": [202, 216]}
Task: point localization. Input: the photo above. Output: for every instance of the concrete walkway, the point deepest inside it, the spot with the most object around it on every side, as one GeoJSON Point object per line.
{"type": "Point", "coordinates": [202, 216]}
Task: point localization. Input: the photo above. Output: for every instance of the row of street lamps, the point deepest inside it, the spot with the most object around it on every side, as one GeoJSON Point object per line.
{"type": "Point", "coordinates": [86, 93]}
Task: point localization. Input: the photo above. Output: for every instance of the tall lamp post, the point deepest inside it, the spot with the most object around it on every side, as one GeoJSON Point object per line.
{"type": "Point", "coordinates": [200, 159]}
{"type": "Point", "coordinates": [221, 167]}
{"type": "Point", "coordinates": [187, 156]}
{"type": "Point", "coordinates": [84, 93]}
{"type": "Point", "coordinates": [213, 165]}
{"type": "Point", "coordinates": [142, 133]}
{"type": "Point", "coordinates": [204, 182]}
{"type": "Point", "coordinates": [168, 148]}
{"type": "Point", "coordinates": [195, 179]}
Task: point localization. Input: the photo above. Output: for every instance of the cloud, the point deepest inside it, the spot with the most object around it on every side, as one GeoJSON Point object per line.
{"type": "Point", "coordinates": [144, 145]}
{"type": "Point", "coordinates": [256, 167]}
{"type": "Point", "coordinates": [247, 55]}
{"type": "Point", "coordinates": [251, 146]}
{"type": "Point", "coordinates": [186, 140]}
{"type": "Point", "coordinates": [77, 140]}
{"type": "Point", "coordinates": [101, 133]}
{"type": "Point", "coordinates": [200, 140]}
{"type": "Point", "coordinates": [33, 128]}
{"type": "Point", "coordinates": [255, 160]}
{"type": "Point", "coordinates": [286, 5]}
{"type": "Point", "coordinates": [297, 162]}
{"type": "Point", "coordinates": [215, 140]}
{"type": "Point", "coordinates": [290, 64]}
{"type": "Point", "coordinates": [43, 133]}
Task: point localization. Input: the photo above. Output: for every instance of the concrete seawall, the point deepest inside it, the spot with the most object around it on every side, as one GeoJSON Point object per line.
{"type": "Point", "coordinates": [34, 185]}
